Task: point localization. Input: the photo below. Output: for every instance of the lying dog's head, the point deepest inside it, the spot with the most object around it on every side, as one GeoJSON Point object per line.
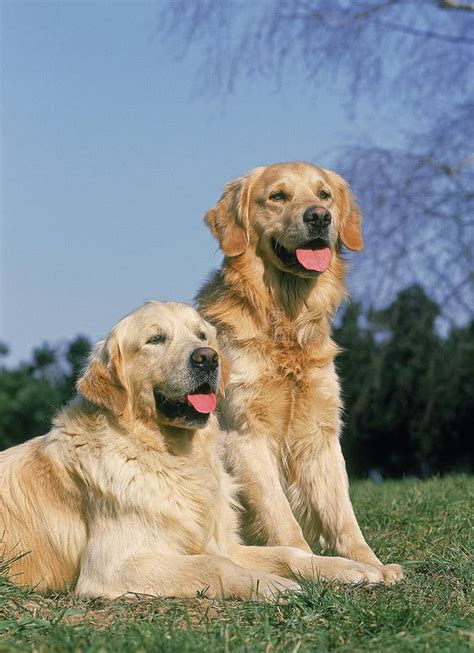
{"type": "Point", "coordinates": [293, 215]}
{"type": "Point", "coordinates": [160, 363]}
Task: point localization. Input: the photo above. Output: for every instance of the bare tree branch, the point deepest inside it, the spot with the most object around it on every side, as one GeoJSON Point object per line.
{"type": "Point", "coordinates": [452, 4]}
{"type": "Point", "coordinates": [419, 53]}
{"type": "Point", "coordinates": [421, 42]}
{"type": "Point", "coordinates": [425, 34]}
{"type": "Point", "coordinates": [419, 211]}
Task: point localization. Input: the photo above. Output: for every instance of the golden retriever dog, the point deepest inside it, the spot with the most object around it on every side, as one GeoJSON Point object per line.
{"type": "Point", "coordinates": [282, 229]}
{"type": "Point", "coordinates": [127, 493]}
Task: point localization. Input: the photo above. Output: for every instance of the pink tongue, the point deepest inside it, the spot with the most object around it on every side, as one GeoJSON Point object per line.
{"type": "Point", "coordinates": [203, 403]}
{"type": "Point", "coordinates": [314, 259]}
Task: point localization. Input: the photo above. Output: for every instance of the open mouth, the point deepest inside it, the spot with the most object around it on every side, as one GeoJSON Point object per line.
{"type": "Point", "coordinates": [313, 256]}
{"type": "Point", "coordinates": [195, 406]}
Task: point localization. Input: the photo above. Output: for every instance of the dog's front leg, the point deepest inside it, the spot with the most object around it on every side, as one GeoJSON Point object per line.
{"type": "Point", "coordinates": [319, 494]}
{"type": "Point", "coordinates": [290, 562]}
{"type": "Point", "coordinates": [115, 563]}
{"type": "Point", "coordinates": [184, 576]}
{"type": "Point", "coordinates": [269, 519]}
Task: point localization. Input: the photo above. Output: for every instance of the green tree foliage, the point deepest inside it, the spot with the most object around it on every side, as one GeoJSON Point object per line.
{"type": "Point", "coordinates": [32, 393]}
{"type": "Point", "coordinates": [408, 391]}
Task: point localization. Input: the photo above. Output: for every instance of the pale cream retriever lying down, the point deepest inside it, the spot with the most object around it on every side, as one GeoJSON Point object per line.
{"type": "Point", "coordinates": [127, 492]}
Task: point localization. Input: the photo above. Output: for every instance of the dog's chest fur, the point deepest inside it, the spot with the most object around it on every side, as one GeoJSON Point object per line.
{"type": "Point", "coordinates": [279, 327]}
{"type": "Point", "coordinates": [181, 500]}
{"type": "Point", "coordinates": [276, 332]}
{"type": "Point", "coordinates": [275, 374]}
{"type": "Point", "coordinates": [282, 349]}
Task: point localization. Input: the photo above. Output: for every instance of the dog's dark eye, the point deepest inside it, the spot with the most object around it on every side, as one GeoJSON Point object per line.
{"type": "Point", "coordinates": [324, 195]}
{"type": "Point", "coordinates": [279, 196]}
{"type": "Point", "coordinates": [156, 340]}
{"type": "Point", "coordinates": [202, 335]}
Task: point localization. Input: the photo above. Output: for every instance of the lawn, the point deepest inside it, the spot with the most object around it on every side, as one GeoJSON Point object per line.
{"type": "Point", "coordinates": [423, 524]}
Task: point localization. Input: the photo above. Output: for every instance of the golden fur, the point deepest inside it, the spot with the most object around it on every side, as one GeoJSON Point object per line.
{"type": "Point", "coordinates": [119, 498]}
{"type": "Point", "coordinates": [282, 406]}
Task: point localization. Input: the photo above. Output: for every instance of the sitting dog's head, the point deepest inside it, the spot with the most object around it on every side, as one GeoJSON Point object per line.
{"type": "Point", "coordinates": [292, 215]}
{"type": "Point", "coordinates": [159, 364]}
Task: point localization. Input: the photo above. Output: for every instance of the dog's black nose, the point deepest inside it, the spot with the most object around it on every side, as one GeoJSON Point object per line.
{"type": "Point", "coordinates": [317, 215]}
{"type": "Point", "coordinates": [205, 358]}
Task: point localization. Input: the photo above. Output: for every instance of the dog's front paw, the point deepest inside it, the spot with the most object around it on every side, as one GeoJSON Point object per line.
{"type": "Point", "coordinates": [360, 572]}
{"type": "Point", "coordinates": [348, 571]}
{"type": "Point", "coordinates": [271, 586]}
{"type": "Point", "coordinates": [392, 573]}
{"type": "Point", "coordinates": [284, 585]}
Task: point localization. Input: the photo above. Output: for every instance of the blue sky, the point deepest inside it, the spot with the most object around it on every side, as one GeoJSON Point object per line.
{"type": "Point", "coordinates": [109, 162]}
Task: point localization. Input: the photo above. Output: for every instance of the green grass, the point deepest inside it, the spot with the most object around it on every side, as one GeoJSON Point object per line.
{"type": "Point", "coordinates": [423, 524]}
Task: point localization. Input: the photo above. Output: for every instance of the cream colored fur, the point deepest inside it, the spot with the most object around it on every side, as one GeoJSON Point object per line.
{"type": "Point", "coordinates": [282, 410]}
{"type": "Point", "coordinates": [118, 499]}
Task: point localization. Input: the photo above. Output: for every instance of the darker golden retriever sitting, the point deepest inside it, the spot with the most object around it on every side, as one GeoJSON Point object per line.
{"type": "Point", "coordinates": [282, 229]}
{"type": "Point", "coordinates": [127, 492]}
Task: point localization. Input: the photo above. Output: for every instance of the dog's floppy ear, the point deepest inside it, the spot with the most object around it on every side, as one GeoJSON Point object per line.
{"type": "Point", "coordinates": [350, 231]}
{"type": "Point", "coordinates": [229, 220]}
{"type": "Point", "coordinates": [102, 381]}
